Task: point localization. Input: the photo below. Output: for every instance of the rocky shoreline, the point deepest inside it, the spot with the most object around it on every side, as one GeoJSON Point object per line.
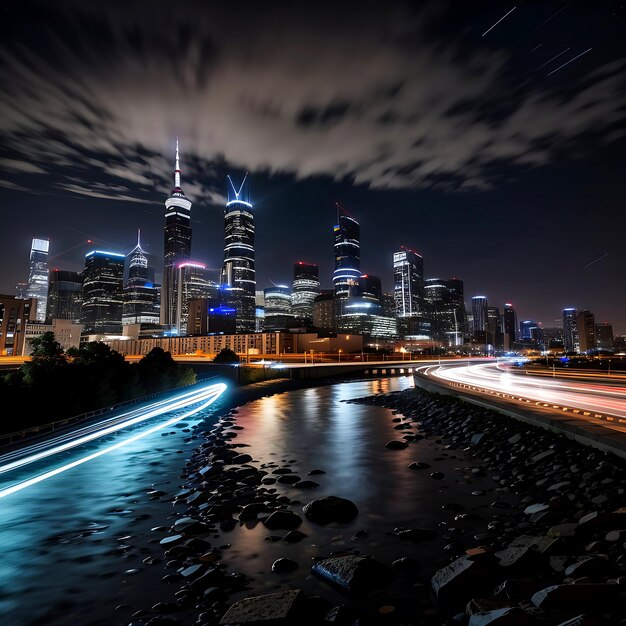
{"type": "Point", "coordinates": [550, 548]}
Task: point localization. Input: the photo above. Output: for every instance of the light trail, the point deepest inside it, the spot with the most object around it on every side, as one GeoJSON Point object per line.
{"type": "Point", "coordinates": [588, 399]}
{"type": "Point", "coordinates": [568, 62]}
{"type": "Point", "coordinates": [494, 25]}
{"type": "Point", "coordinates": [207, 396]}
{"type": "Point", "coordinates": [96, 431]}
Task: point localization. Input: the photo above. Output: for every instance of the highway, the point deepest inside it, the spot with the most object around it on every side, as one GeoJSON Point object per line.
{"type": "Point", "coordinates": [29, 465]}
{"type": "Point", "coordinates": [601, 400]}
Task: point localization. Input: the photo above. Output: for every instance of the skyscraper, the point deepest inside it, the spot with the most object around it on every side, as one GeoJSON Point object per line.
{"type": "Point", "coordinates": [493, 322]}
{"type": "Point", "coordinates": [192, 282]}
{"type": "Point", "coordinates": [306, 287]}
{"type": "Point", "coordinates": [570, 330]}
{"type": "Point", "coordinates": [479, 318]}
{"type": "Point", "coordinates": [103, 292]}
{"type": "Point", "coordinates": [604, 336]}
{"type": "Point", "coordinates": [64, 296]}
{"type": "Point", "coordinates": [509, 326]}
{"type": "Point", "coordinates": [238, 270]}
{"type": "Point", "coordinates": [586, 324]}
{"type": "Point", "coordinates": [443, 303]}
{"type": "Point", "coordinates": [408, 282]}
{"type": "Point", "coordinates": [139, 292]}
{"type": "Point", "coordinates": [347, 254]}
{"type": "Point", "coordinates": [38, 276]}
{"type": "Point", "coordinates": [278, 314]}
{"type": "Point", "coordinates": [177, 246]}
{"type": "Point", "coordinates": [370, 288]}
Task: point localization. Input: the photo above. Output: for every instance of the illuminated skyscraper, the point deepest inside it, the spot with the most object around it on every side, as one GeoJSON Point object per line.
{"type": "Point", "coordinates": [586, 324]}
{"type": "Point", "coordinates": [139, 292]}
{"type": "Point", "coordinates": [509, 326]}
{"type": "Point", "coordinates": [38, 276]}
{"type": "Point", "coordinates": [570, 330]}
{"type": "Point", "coordinates": [347, 254]}
{"type": "Point", "coordinates": [604, 336]}
{"type": "Point", "coordinates": [278, 314]}
{"type": "Point", "coordinates": [306, 287]}
{"type": "Point", "coordinates": [177, 246]}
{"type": "Point", "coordinates": [103, 292]}
{"type": "Point", "coordinates": [192, 282]}
{"type": "Point", "coordinates": [238, 270]}
{"type": "Point", "coordinates": [408, 282]}
{"type": "Point", "coordinates": [479, 318]}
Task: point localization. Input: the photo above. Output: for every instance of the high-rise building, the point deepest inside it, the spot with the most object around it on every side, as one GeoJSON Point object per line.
{"type": "Point", "coordinates": [64, 295]}
{"type": "Point", "coordinates": [238, 270]}
{"type": "Point", "coordinates": [306, 287]}
{"type": "Point", "coordinates": [586, 325]}
{"type": "Point", "coordinates": [370, 288]}
{"type": "Point", "coordinates": [38, 276]}
{"type": "Point", "coordinates": [15, 314]}
{"type": "Point", "coordinates": [552, 338]}
{"type": "Point", "coordinates": [324, 311]}
{"type": "Point", "coordinates": [209, 316]}
{"type": "Point", "coordinates": [494, 337]}
{"type": "Point", "coordinates": [140, 294]}
{"type": "Point", "coordinates": [604, 336]}
{"type": "Point", "coordinates": [278, 314]}
{"type": "Point", "coordinates": [570, 330]}
{"type": "Point", "coordinates": [192, 281]}
{"type": "Point", "coordinates": [479, 318]}
{"type": "Point", "coordinates": [527, 329]}
{"type": "Point", "coordinates": [103, 292]}
{"type": "Point", "coordinates": [347, 254]}
{"type": "Point", "coordinates": [509, 324]}
{"type": "Point", "coordinates": [177, 247]}
{"type": "Point", "coordinates": [408, 282]}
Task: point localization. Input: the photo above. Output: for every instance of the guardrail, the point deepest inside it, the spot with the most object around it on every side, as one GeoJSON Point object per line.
{"type": "Point", "coordinates": [43, 429]}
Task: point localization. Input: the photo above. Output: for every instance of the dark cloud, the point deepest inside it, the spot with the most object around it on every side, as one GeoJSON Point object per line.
{"type": "Point", "coordinates": [372, 94]}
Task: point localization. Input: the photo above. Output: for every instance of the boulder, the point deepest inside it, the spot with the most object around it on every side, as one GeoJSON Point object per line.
{"type": "Point", "coordinates": [284, 566]}
{"type": "Point", "coordinates": [396, 445]}
{"type": "Point", "coordinates": [415, 534]}
{"type": "Point", "coordinates": [273, 609]}
{"type": "Point", "coordinates": [593, 598]}
{"type": "Point", "coordinates": [283, 520]}
{"type": "Point", "coordinates": [353, 574]}
{"type": "Point", "coordinates": [330, 509]}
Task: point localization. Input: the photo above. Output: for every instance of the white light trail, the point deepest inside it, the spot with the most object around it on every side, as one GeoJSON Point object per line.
{"type": "Point", "coordinates": [556, 56]}
{"type": "Point", "coordinates": [164, 406]}
{"type": "Point", "coordinates": [505, 15]}
{"type": "Point", "coordinates": [568, 62]}
{"type": "Point", "coordinates": [208, 398]}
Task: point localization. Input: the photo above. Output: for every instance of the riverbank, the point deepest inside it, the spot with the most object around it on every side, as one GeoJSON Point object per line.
{"type": "Point", "coordinates": [492, 502]}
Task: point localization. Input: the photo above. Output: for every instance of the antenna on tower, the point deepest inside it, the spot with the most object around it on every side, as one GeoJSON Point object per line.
{"type": "Point", "coordinates": [177, 170]}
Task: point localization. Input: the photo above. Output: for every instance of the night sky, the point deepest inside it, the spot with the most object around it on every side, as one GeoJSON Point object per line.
{"type": "Point", "coordinates": [490, 153]}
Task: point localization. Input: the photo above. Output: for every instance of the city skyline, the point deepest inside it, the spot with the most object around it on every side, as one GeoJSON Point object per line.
{"type": "Point", "coordinates": [506, 206]}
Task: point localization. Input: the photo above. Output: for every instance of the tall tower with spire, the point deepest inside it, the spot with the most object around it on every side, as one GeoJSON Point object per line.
{"type": "Point", "coordinates": [140, 294]}
{"type": "Point", "coordinates": [238, 271]}
{"type": "Point", "coordinates": [177, 247]}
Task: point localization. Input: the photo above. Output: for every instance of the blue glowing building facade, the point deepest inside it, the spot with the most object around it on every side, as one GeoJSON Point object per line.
{"type": "Point", "coordinates": [140, 294]}
{"type": "Point", "coordinates": [347, 254]}
{"type": "Point", "coordinates": [238, 271]}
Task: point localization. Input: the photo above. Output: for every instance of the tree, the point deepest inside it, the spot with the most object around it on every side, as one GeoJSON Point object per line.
{"type": "Point", "coordinates": [226, 355]}
{"type": "Point", "coordinates": [45, 346]}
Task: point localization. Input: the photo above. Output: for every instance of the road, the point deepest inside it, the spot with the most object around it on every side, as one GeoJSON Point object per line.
{"type": "Point", "coordinates": [589, 398]}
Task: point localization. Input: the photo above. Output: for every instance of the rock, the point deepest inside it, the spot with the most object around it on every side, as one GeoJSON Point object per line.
{"type": "Point", "coordinates": [228, 524]}
{"type": "Point", "coordinates": [437, 475]}
{"type": "Point", "coordinates": [193, 571]}
{"type": "Point", "coordinates": [330, 509]}
{"type": "Point", "coordinates": [536, 508]}
{"type": "Point", "coordinates": [476, 439]}
{"type": "Point", "coordinates": [306, 484]}
{"type": "Point", "coordinates": [415, 534]}
{"type": "Point", "coordinates": [591, 566]}
{"type": "Point", "coordinates": [396, 445]}
{"type": "Point", "coordinates": [406, 566]}
{"type": "Point", "coordinates": [353, 574]}
{"type": "Point", "coordinates": [467, 576]}
{"type": "Point", "coordinates": [340, 615]}
{"type": "Point", "coordinates": [293, 536]}
{"type": "Point", "coordinates": [273, 609]}
{"type": "Point", "coordinates": [519, 558]}
{"type": "Point", "coordinates": [284, 566]}
{"type": "Point", "coordinates": [597, 521]}
{"type": "Point", "coordinates": [592, 598]}
{"type": "Point", "coordinates": [419, 465]}
{"type": "Point", "coordinates": [240, 459]}
{"type": "Point", "coordinates": [283, 520]}
{"type": "Point", "coordinates": [509, 616]}
{"type": "Point", "coordinates": [250, 511]}
{"type": "Point", "coordinates": [288, 479]}
{"type": "Point", "coordinates": [541, 456]}
{"type": "Point", "coordinates": [315, 472]}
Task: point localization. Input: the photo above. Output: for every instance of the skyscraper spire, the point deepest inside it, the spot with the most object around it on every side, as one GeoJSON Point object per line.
{"type": "Point", "coordinates": [139, 238]}
{"type": "Point", "coordinates": [177, 170]}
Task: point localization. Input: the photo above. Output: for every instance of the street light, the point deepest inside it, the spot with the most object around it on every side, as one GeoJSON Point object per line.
{"type": "Point", "coordinates": [340, 351]}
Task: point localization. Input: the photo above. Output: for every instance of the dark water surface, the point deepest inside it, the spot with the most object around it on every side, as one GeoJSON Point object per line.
{"type": "Point", "coordinates": [71, 548]}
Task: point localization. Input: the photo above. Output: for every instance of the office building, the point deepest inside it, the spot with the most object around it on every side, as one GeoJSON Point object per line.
{"type": "Point", "coordinates": [324, 311]}
{"type": "Point", "coordinates": [140, 294]}
{"type": "Point", "coordinates": [209, 316]}
{"type": "Point", "coordinates": [239, 270]}
{"type": "Point", "coordinates": [278, 314]}
{"type": "Point", "coordinates": [479, 318]}
{"type": "Point", "coordinates": [570, 330]}
{"type": "Point", "coordinates": [347, 254]}
{"type": "Point", "coordinates": [64, 296]}
{"type": "Point", "coordinates": [38, 276]}
{"type": "Point", "coordinates": [494, 328]}
{"type": "Point", "coordinates": [509, 326]}
{"type": "Point", "coordinates": [370, 288]}
{"type": "Point", "coordinates": [177, 248]}
{"type": "Point", "coordinates": [66, 332]}
{"type": "Point", "coordinates": [408, 282]}
{"type": "Point", "coordinates": [103, 292]}
{"type": "Point", "coordinates": [306, 287]}
{"type": "Point", "coordinates": [604, 336]}
{"type": "Point", "coordinates": [15, 314]}
{"type": "Point", "coordinates": [192, 281]}
{"type": "Point", "coordinates": [586, 325]}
